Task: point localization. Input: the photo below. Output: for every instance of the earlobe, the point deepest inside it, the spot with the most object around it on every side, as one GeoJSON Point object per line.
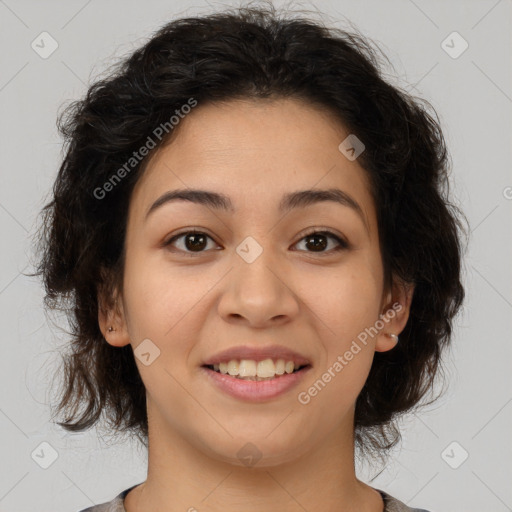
{"type": "Point", "coordinates": [112, 324]}
{"type": "Point", "coordinates": [116, 337]}
{"type": "Point", "coordinates": [386, 342]}
{"type": "Point", "coordinates": [394, 316]}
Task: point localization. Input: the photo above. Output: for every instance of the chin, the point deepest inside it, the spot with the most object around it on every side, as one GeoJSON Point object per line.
{"type": "Point", "coordinates": [257, 451]}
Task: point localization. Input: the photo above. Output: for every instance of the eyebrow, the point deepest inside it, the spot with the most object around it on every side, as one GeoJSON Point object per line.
{"type": "Point", "coordinates": [290, 201]}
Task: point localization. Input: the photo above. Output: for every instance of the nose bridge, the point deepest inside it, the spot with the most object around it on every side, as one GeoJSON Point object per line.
{"type": "Point", "coordinates": [256, 267]}
{"type": "Point", "coordinates": [258, 290]}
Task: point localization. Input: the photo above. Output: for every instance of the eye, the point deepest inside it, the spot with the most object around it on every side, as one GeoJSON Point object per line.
{"type": "Point", "coordinates": [196, 241]}
{"type": "Point", "coordinates": [318, 240]}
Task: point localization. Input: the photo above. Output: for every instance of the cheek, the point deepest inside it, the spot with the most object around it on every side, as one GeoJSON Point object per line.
{"type": "Point", "coordinates": [166, 304]}
{"type": "Point", "coordinates": [345, 305]}
{"type": "Point", "coordinates": [163, 302]}
{"type": "Point", "coordinates": [343, 313]}
{"type": "Point", "coordinates": [345, 300]}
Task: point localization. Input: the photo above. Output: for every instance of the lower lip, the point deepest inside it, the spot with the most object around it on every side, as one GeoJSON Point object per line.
{"type": "Point", "coordinates": [256, 391]}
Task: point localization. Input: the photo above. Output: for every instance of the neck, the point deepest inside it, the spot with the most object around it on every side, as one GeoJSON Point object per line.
{"type": "Point", "coordinates": [186, 477]}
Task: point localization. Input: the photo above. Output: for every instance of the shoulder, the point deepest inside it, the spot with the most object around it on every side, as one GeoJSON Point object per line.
{"type": "Point", "coordinates": [392, 504]}
{"type": "Point", "coordinates": [115, 505]}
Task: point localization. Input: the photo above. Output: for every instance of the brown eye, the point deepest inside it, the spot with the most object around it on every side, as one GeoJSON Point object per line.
{"type": "Point", "coordinates": [197, 241]}
{"type": "Point", "coordinates": [317, 241]}
{"type": "Point", "coordinates": [193, 241]}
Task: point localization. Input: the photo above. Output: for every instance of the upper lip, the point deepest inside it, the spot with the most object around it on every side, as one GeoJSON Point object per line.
{"type": "Point", "coordinates": [257, 354]}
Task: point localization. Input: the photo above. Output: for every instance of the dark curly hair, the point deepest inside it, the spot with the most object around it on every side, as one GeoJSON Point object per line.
{"type": "Point", "coordinates": [252, 52]}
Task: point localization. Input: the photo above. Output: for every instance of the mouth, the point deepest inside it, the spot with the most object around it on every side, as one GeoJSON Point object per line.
{"type": "Point", "coordinates": [235, 373]}
{"type": "Point", "coordinates": [253, 388]}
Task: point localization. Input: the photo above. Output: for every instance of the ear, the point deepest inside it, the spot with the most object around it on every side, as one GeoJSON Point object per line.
{"type": "Point", "coordinates": [112, 319]}
{"type": "Point", "coordinates": [394, 314]}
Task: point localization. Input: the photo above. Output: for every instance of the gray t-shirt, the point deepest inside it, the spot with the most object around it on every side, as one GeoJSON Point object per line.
{"type": "Point", "coordinates": [117, 504]}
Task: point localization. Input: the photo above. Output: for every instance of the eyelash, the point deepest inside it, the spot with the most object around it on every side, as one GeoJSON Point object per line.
{"type": "Point", "coordinates": [343, 244]}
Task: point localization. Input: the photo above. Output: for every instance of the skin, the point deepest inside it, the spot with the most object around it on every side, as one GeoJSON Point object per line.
{"type": "Point", "coordinates": [193, 307]}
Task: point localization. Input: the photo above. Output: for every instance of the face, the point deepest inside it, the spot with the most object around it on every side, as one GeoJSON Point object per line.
{"type": "Point", "coordinates": [253, 278]}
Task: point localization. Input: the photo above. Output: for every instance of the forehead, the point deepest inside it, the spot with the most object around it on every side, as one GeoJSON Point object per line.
{"type": "Point", "coordinates": [255, 152]}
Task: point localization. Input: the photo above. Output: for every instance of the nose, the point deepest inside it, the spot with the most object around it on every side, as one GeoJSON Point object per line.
{"type": "Point", "coordinates": [259, 294]}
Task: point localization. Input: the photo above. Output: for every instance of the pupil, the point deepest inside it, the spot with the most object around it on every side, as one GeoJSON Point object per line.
{"type": "Point", "coordinates": [322, 245]}
{"type": "Point", "coordinates": [198, 241]}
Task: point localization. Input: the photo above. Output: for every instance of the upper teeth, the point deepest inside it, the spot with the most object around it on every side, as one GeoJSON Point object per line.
{"type": "Point", "coordinates": [251, 368]}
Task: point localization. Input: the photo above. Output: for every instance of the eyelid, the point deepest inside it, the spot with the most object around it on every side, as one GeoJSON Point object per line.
{"type": "Point", "coordinates": [324, 230]}
{"type": "Point", "coordinates": [200, 231]}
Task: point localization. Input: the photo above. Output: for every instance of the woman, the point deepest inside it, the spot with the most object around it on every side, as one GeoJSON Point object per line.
{"type": "Point", "coordinates": [252, 233]}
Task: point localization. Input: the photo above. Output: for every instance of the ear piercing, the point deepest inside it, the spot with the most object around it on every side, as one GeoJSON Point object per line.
{"type": "Point", "coordinates": [110, 329]}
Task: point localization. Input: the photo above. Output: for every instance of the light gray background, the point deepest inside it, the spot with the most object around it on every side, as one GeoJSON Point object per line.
{"type": "Point", "coordinates": [473, 96]}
